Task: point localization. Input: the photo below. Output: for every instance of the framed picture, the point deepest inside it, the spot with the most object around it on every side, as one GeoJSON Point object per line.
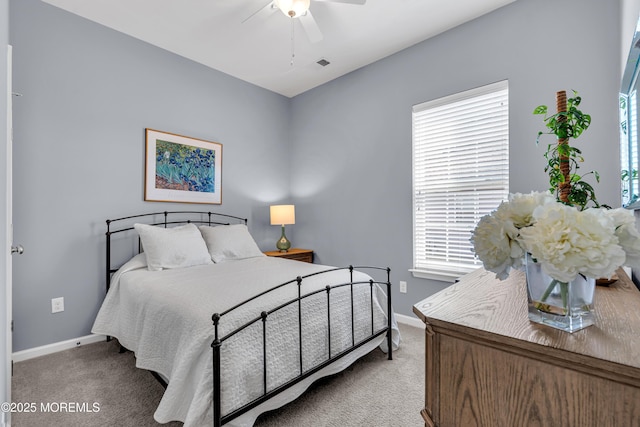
{"type": "Point", "coordinates": [182, 169]}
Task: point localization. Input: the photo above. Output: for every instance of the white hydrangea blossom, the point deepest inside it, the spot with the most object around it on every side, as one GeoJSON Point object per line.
{"type": "Point", "coordinates": [567, 242]}
{"type": "Point", "coordinates": [493, 245]}
{"type": "Point", "coordinates": [628, 236]}
{"type": "Point", "coordinates": [519, 209]}
{"type": "Point", "coordinates": [496, 237]}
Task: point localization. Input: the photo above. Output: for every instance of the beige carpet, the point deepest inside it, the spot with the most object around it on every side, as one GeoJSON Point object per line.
{"type": "Point", "coordinates": [371, 392]}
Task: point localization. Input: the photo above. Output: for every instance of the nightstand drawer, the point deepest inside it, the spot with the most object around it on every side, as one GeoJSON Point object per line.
{"type": "Point", "coordinates": [304, 255]}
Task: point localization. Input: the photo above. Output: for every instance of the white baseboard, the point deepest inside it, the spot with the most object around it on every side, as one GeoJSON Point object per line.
{"type": "Point", "coordinates": [31, 353]}
{"type": "Point", "coordinates": [409, 320]}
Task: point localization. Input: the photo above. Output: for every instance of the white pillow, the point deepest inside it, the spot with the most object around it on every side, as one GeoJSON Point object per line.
{"type": "Point", "coordinates": [227, 242]}
{"type": "Point", "coordinates": [175, 247]}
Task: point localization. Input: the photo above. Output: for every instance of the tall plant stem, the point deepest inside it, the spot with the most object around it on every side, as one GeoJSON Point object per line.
{"type": "Point", "coordinates": [549, 289]}
{"type": "Point", "coordinates": [564, 294]}
{"type": "Point", "coordinates": [565, 168]}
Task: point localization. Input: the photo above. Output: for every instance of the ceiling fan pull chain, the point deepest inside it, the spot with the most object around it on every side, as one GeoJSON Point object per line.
{"type": "Point", "coordinates": [293, 52]}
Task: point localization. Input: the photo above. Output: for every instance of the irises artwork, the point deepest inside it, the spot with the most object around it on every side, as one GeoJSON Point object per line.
{"type": "Point", "coordinates": [182, 169]}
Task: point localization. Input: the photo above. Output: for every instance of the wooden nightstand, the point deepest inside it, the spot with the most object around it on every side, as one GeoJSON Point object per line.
{"type": "Point", "coordinates": [304, 255]}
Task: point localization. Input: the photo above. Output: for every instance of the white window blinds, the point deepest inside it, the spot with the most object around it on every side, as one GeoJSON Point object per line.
{"type": "Point", "coordinates": [460, 173]}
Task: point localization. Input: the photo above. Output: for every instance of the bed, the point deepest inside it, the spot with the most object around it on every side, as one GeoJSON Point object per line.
{"type": "Point", "coordinates": [234, 333]}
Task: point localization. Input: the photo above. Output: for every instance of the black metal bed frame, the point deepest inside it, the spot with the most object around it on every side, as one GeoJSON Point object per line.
{"type": "Point", "coordinates": [223, 219]}
{"type": "Point", "coordinates": [212, 219]}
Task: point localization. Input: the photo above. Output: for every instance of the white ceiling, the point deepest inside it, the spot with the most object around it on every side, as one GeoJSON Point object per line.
{"type": "Point", "coordinates": [258, 50]}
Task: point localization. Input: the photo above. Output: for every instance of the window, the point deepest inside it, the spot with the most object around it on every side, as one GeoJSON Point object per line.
{"type": "Point", "coordinates": [629, 148]}
{"type": "Point", "coordinates": [460, 173]}
{"type": "Point", "coordinates": [629, 117]}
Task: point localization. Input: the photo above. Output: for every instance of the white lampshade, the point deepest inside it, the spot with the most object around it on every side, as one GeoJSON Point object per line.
{"type": "Point", "coordinates": [293, 8]}
{"type": "Point", "coordinates": [282, 214]}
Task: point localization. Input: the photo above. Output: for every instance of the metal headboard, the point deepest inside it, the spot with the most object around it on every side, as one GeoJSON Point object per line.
{"type": "Point", "coordinates": [177, 217]}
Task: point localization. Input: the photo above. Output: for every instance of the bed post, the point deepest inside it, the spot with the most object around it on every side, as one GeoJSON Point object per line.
{"type": "Point", "coordinates": [353, 318]}
{"type": "Point", "coordinates": [389, 314]}
{"type": "Point", "coordinates": [299, 282]}
{"type": "Point", "coordinates": [108, 268]}
{"type": "Point", "coordinates": [217, 416]}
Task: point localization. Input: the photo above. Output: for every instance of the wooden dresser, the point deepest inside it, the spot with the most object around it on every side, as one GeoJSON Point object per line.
{"type": "Point", "coordinates": [488, 365]}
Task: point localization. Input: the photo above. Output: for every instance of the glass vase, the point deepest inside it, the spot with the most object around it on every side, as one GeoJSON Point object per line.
{"type": "Point", "coordinates": [561, 305]}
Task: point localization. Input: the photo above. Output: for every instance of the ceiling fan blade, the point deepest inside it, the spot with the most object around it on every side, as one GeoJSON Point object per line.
{"type": "Point", "coordinates": [345, 1]}
{"type": "Point", "coordinates": [310, 27]}
{"type": "Point", "coordinates": [262, 12]}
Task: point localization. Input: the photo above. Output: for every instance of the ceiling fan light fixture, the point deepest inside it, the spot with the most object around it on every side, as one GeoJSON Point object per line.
{"type": "Point", "coordinates": [293, 8]}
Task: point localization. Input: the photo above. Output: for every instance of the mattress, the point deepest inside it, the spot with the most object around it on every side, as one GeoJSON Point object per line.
{"type": "Point", "coordinates": [164, 317]}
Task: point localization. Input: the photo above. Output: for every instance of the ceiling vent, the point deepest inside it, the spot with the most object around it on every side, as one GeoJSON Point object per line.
{"type": "Point", "coordinates": [323, 62]}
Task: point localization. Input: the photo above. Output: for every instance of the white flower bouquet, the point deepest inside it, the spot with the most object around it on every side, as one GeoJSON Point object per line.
{"type": "Point", "coordinates": [564, 240]}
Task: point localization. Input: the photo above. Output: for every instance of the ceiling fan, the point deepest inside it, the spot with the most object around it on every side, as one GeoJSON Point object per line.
{"type": "Point", "coordinates": [299, 9]}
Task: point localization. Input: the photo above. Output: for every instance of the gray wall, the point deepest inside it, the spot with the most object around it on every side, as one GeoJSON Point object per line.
{"type": "Point", "coordinates": [89, 93]}
{"type": "Point", "coordinates": [4, 41]}
{"type": "Point", "coordinates": [351, 138]}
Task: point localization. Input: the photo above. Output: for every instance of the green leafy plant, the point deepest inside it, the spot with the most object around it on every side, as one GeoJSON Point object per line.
{"type": "Point", "coordinates": [563, 159]}
{"type": "Point", "coordinates": [625, 177]}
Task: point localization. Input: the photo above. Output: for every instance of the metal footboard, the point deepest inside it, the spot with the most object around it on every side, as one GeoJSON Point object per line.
{"type": "Point", "coordinates": [217, 345]}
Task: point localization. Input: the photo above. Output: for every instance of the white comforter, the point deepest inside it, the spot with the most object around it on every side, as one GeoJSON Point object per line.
{"type": "Point", "coordinates": [165, 318]}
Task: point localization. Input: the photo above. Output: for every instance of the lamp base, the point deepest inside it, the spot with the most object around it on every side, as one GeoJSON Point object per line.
{"type": "Point", "coordinates": [283, 243]}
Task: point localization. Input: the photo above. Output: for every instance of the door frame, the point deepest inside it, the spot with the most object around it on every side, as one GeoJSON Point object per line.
{"type": "Point", "coordinates": [6, 323]}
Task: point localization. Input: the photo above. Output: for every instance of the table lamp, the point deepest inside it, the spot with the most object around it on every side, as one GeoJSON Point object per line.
{"type": "Point", "coordinates": [283, 215]}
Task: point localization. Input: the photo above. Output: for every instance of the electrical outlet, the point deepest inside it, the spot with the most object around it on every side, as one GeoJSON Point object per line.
{"type": "Point", "coordinates": [403, 287]}
{"type": "Point", "coordinates": [57, 305]}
